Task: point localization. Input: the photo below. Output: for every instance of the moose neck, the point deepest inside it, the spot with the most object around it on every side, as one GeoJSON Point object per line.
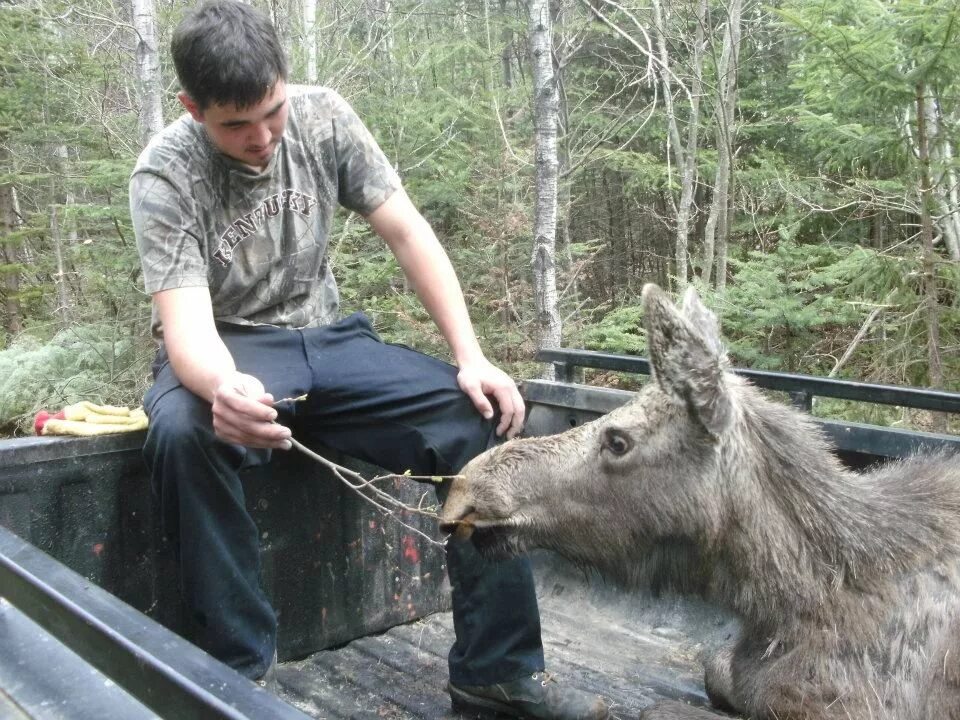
{"type": "Point", "coordinates": [804, 531]}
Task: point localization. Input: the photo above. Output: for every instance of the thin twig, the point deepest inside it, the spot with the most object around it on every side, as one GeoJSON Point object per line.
{"type": "Point", "coordinates": [357, 483]}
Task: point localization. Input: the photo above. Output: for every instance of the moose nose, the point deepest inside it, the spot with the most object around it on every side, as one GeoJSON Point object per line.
{"type": "Point", "coordinates": [461, 528]}
{"type": "Point", "coordinates": [457, 506]}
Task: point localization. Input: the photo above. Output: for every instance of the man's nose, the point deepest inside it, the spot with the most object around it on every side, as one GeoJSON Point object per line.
{"type": "Point", "coordinates": [260, 135]}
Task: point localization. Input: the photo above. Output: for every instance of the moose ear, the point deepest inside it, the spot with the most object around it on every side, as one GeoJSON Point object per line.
{"type": "Point", "coordinates": [705, 321]}
{"type": "Point", "coordinates": [687, 356]}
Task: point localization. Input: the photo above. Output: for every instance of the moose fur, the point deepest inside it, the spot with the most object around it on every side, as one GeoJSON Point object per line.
{"type": "Point", "coordinates": [847, 585]}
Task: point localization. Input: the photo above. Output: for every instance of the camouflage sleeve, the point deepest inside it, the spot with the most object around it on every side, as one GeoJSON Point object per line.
{"type": "Point", "coordinates": [364, 174]}
{"type": "Point", "coordinates": [162, 218]}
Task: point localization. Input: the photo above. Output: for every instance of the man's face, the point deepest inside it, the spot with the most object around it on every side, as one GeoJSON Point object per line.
{"type": "Point", "coordinates": [250, 135]}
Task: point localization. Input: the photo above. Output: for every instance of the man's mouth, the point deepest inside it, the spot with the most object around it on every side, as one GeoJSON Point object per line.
{"type": "Point", "coordinates": [262, 151]}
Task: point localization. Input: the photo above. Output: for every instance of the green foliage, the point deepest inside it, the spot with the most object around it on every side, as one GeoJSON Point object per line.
{"type": "Point", "coordinates": [102, 363]}
{"type": "Point", "coordinates": [782, 304]}
{"type": "Point", "coordinates": [859, 70]}
{"type": "Point", "coordinates": [641, 169]}
{"type": "Point", "coordinates": [619, 331]}
{"type": "Point", "coordinates": [898, 353]}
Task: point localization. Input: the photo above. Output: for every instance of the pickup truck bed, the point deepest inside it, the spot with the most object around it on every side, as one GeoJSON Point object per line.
{"type": "Point", "coordinates": [88, 596]}
{"type": "Point", "coordinates": [70, 650]}
{"type": "Point", "coordinates": [595, 637]}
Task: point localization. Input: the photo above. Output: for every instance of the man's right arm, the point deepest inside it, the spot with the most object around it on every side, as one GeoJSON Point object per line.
{"type": "Point", "coordinates": [242, 411]}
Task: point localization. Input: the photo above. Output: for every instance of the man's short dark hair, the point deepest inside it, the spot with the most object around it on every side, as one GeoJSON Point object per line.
{"type": "Point", "coordinates": [226, 53]}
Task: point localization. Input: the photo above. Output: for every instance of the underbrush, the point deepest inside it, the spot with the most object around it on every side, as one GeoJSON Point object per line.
{"type": "Point", "coordinates": [95, 362]}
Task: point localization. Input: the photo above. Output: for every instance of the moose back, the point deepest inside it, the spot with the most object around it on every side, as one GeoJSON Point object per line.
{"type": "Point", "coordinates": [846, 584]}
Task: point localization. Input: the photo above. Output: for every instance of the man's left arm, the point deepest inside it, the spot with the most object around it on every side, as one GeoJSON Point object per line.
{"type": "Point", "coordinates": [426, 265]}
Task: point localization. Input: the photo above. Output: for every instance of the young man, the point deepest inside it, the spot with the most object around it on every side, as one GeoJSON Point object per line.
{"type": "Point", "coordinates": [232, 206]}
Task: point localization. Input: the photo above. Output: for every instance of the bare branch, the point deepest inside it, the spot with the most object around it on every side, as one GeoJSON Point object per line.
{"type": "Point", "coordinates": [390, 505]}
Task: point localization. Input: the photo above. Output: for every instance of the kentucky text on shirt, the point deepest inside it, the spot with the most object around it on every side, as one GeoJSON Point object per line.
{"type": "Point", "coordinates": [244, 226]}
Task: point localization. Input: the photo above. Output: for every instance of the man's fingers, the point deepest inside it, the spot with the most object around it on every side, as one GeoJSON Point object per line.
{"type": "Point", "coordinates": [480, 401]}
{"type": "Point", "coordinates": [252, 408]}
{"type": "Point", "coordinates": [484, 382]}
{"type": "Point", "coordinates": [243, 414]}
{"type": "Point", "coordinates": [505, 403]}
{"type": "Point", "coordinates": [253, 434]}
{"type": "Point", "coordinates": [512, 410]}
{"type": "Point", "coordinates": [519, 414]}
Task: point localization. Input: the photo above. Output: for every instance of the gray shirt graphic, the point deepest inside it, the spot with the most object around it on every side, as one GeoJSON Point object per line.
{"type": "Point", "coordinates": [257, 240]}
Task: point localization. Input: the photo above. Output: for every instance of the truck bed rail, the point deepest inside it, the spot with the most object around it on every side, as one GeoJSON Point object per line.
{"type": "Point", "coordinates": [166, 674]}
{"type": "Point", "coordinates": [858, 444]}
{"type": "Point", "coordinates": [802, 388]}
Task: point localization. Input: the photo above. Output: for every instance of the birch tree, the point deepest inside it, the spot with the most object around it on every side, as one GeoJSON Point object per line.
{"type": "Point", "coordinates": [684, 148]}
{"type": "Point", "coordinates": [57, 220]}
{"type": "Point", "coordinates": [148, 70]}
{"type": "Point", "coordinates": [945, 193]}
{"type": "Point", "coordinates": [546, 104]}
{"type": "Point", "coordinates": [719, 220]}
{"type": "Point", "coordinates": [310, 39]}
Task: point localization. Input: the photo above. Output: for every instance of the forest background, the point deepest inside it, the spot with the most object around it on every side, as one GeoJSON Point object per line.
{"type": "Point", "coordinates": [796, 160]}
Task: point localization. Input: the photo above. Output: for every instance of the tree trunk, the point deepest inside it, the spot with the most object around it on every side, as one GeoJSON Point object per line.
{"type": "Point", "coordinates": [462, 13]}
{"type": "Point", "coordinates": [506, 53]}
{"type": "Point", "coordinates": [723, 236]}
{"type": "Point", "coordinates": [564, 200]}
{"type": "Point", "coordinates": [944, 189]}
{"type": "Point", "coordinates": [929, 257]}
{"type": "Point", "coordinates": [10, 222]}
{"type": "Point", "coordinates": [60, 279]}
{"type": "Point", "coordinates": [63, 199]}
{"type": "Point", "coordinates": [281, 17]}
{"type": "Point", "coordinates": [148, 70]}
{"type": "Point", "coordinates": [545, 110]}
{"type": "Point", "coordinates": [688, 175]}
{"type": "Point", "coordinates": [674, 142]}
{"type": "Point", "coordinates": [719, 217]}
{"type": "Point", "coordinates": [382, 22]}
{"type": "Point", "coordinates": [951, 213]}
{"type": "Point", "coordinates": [310, 38]}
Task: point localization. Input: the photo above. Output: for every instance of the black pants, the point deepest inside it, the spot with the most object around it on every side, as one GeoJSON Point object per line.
{"type": "Point", "coordinates": [386, 404]}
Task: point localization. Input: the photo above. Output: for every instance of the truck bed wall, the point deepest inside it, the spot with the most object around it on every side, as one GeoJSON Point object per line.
{"type": "Point", "coordinates": [87, 502]}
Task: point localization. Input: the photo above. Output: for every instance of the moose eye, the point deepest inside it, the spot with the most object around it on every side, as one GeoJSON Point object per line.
{"type": "Point", "coordinates": [616, 442]}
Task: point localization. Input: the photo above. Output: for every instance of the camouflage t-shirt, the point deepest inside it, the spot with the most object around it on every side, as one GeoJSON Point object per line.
{"type": "Point", "coordinates": [256, 239]}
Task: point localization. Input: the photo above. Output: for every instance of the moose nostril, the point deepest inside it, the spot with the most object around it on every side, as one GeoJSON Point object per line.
{"type": "Point", "coordinates": [461, 528]}
{"type": "Point", "coordinates": [465, 515]}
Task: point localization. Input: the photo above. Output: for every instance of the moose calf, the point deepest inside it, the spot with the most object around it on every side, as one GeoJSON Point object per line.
{"type": "Point", "coordinates": [846, 584]}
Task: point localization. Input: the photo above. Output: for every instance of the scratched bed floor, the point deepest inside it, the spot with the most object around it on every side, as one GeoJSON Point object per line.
{"type": "Point", "coordinates": [630, 650]}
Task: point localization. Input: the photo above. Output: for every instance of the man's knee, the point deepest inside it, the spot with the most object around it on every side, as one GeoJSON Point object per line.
{"type": "Point", "coordinates": [463, 433]}
{"type": "Point", "coordinates": [178, 420]}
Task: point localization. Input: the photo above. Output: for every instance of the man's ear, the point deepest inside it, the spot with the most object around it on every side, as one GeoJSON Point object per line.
{"type": "Point", "coordinates": [191, 106]}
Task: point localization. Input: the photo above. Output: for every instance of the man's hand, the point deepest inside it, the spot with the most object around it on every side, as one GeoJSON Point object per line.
{"type": "Point", "coordinates": [243, 414]}
{"type": "Point", "coordinates": [482, 379]}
